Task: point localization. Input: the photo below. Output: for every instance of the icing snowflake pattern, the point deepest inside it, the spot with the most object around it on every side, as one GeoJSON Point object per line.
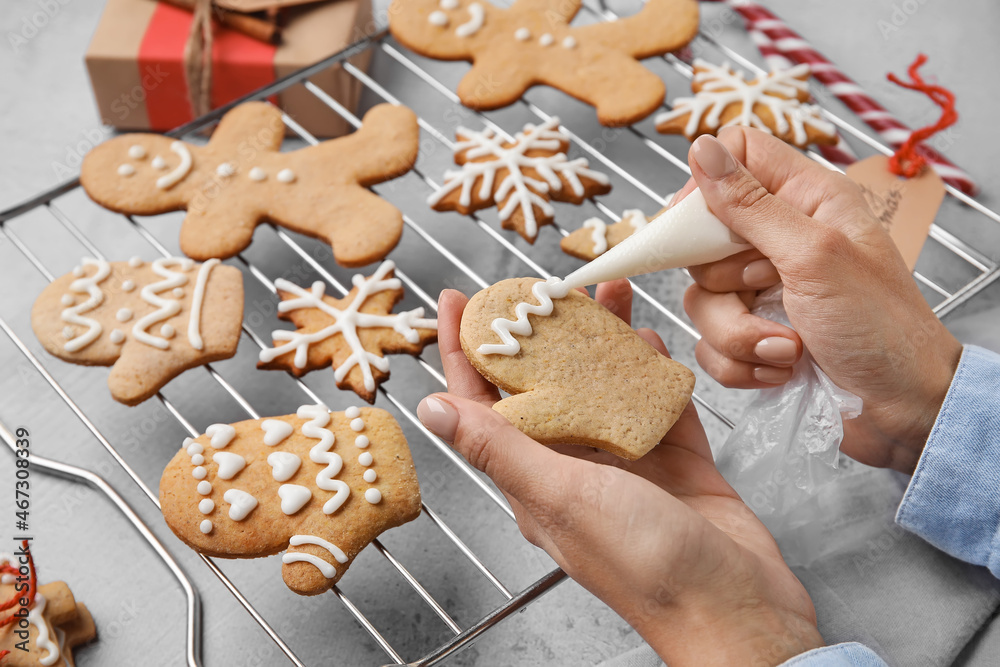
{"type": "Point", "coordinates": [719, 88]}
{"type": "Point", "coordinates": [501, 178]}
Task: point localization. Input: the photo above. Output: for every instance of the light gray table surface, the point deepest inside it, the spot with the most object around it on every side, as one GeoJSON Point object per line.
{"type": "Point", "coordinates": [48, 119]}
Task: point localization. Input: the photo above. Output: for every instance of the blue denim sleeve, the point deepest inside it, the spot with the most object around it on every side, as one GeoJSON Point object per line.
{"type": "Point", "coordinates": [953, 500]}
{"type": "Point", "coordinates": [840, 655]}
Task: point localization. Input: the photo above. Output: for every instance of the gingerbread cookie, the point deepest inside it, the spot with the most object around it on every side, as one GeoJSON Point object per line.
{"type": "Point", "coordinates": [161, 318]}
{"type": "Point", "coordinates": [774, 103]}
{"type": "Point", "coordinates": [240, 179]}
{"type": "Point", "coordinates": [532, 43]}
{"type": "Point", "coordinates": [352, 334]}
{"type": "Point", "coordinates": [519, 177]}
{"type": "Point", "coordinates": [579, 374]}
{"type": "Point", "coordinates": [320, 485]}
{"type": "Point", "coordinates": [596, 237]}
{"type": "Point", "coordinates": [49, 628]}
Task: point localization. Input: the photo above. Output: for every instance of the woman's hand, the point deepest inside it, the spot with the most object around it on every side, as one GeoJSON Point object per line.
{"type": "Point", "coordinates": [664, 541]}
{"type": "Point", "coordinates": [847, 292]}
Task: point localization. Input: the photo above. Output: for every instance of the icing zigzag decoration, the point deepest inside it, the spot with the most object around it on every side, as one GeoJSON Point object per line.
{"type": "Point", "coordinates": [774, 103]}
{"type": "Point", "coordinates": [351, 333]}
{"type": "Point", "coordinates": [519, 177]}
{"type": "Point", "coordinates": [321, 485]}
{"type": "Point", "coordinates": [532, 43]}
{"type": "Point", "coordinates": [240, 179]}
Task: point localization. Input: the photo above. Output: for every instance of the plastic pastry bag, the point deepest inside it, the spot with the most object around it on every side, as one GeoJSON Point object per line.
{"type": "Point", "coordinates": [785, 446]}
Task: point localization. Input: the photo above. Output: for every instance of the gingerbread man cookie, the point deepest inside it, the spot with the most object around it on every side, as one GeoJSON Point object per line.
{"type": "Point", "coordinates": [519, 177]}
{"type": "Point", "coordinates": [320, 485]}
{"type": "Point", "coordinates": [774, 103]}
{"type": "Point", "coordinates": [46, 632]}
{"type": "Point", "coordinates": [532, 43]}
{"type": "Point", "coordinates": [240, 179]}
{"type": "Point", "coordinates": [352, 333]}
{"type": "Point", "coordinates": [596, 236]}
{"type": "Point", "coordinates": [150, 321]}
{"type": "Point", "coordinates": [578, 374]}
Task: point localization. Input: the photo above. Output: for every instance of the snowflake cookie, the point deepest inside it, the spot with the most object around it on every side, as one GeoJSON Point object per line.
{"type": "Point", "coordinates": [774, 103]}
{"type": "Point", "coordinates": [519, 177]}
{"type": "Point", "coordinates": [531, 43]}
{"type": "Point", "coordinates": [151, 321]}
{"type": "Point", "coordinates": [352, 333]}
{"type": "Point", "coordinates": [318, 485]}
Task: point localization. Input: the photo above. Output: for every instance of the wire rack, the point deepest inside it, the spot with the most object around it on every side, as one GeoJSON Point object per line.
{"type": "Point", "coordinates": [438, 250]}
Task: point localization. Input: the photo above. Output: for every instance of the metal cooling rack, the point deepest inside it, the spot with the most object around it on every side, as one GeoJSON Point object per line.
{"type": "Point", "coordinates": [441, 250]}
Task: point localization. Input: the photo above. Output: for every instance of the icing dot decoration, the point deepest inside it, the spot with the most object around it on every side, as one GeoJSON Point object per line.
{"type": "Point", "coordinates": [373, 496]}
{"type": "Point", "coordinates": [67, 300]}
{"type": "Point", "coordinates": [123, 315]}
{"type": "Point", "coordinates": [159, 163]}
{"type": "Point", "coordinates": [361, 441]}
{"type": "Point", "coordinates": [116, 336]}
{"type": "Point", "coordinates": [286, 176]}
{"type": "Point", "coordinates": [128, 286]}
{"type": "Point", "coordinates": [225, 169]}
{"type": "Point", "coordinates": [438, 18]}
{"type": "Point", "coordinates": [199, 472]}
{"type": "Point", "coordinates": [257, 174]}
{"type": "Point", "coordinates": [522, 34]}
{"type": "Point", "coordinates": [136, 152]}
{"type": "Point", "coordinates": [206, 506]}
{"type": "Point", "coordinates": [546, 39]}
{"type": "Point", "coordinates": [366, 459]}
{"type": "Point", "coordinates": [135, 262]}
{"type": "Point", "coordinates": [204, 488]}
{"type": "Point", "coordinates": [206, 526]}
{"type": "Point", "coordinates": [352, 412]}
{"type": "Point", "coordinates": [370, 476]}
{"type": "Point", "coordinates": [126, 170]}
{"type": "Point", "coordinates": [569, 42]}
{"type": "Point", "coordinates": [167, 331]}
{"type": "Point", "coordinates": [357, 424]}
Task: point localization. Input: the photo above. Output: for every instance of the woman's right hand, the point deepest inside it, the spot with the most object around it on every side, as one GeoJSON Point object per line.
{"type": "Point", "coordinates": [848, 294]}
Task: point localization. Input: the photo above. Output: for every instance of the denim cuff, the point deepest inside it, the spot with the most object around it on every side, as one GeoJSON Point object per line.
{"type": "Point", "coordinates": [849, 654]}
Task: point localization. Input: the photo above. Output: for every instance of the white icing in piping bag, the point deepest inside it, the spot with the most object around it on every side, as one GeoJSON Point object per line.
{"type": "Point", "coordinates": [684, 235]}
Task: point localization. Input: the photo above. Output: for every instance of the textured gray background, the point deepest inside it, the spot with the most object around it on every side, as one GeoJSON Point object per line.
{"type": "Point", "coordinates": [48, 120]}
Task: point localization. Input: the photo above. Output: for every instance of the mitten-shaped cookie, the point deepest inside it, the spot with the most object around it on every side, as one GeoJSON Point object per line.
{"type": "Point", "coordinates": [577, 373]}
{"type": "Point", "coordinates": [320, 485]}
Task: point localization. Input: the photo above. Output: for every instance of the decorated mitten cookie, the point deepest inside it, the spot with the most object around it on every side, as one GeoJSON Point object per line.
{"type": "Point", "coordinates": [351, 334]}
{"type": "Point", "coordinates": [596, 236]}
{"type": "Point", "coordinates": [577, 374]}
{"type": "Point", "coordinates": [150, 321]}
{"type": "Point", "coordinates": [321, 485]}
{"type": "Point", "coordinates": [240, 179]}
{"type": "Point", "coordinates": [531, 43]}
{"type": "Point", "coordinates": [55, 622]}
{"type": "Point", "coordinates": [774, 103]}
{"type": "Point", "coordinates": [519, 177]}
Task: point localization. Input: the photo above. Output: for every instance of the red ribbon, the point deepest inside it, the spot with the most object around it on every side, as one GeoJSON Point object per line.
{"type": "Point", "coordinates": [907, 161]}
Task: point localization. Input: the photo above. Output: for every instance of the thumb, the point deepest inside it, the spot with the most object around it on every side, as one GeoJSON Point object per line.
{"type": "Point", "coordinates": [744, 205]}
{"type": "Point", "coordinates": [517, 464]}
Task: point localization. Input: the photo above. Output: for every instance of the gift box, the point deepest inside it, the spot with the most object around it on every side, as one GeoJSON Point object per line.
{"type": "Point", "coordinates": [137, 69]}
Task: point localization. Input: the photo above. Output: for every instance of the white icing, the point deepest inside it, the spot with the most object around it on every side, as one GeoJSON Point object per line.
{"type": "Point", "coordinates": [123, 315]}
{"type": "Point", "coordinates": [635, 217]}
{"type": "Point", "coordinates": [42, 639]}
{"type": "Point", "coordinates": [126, 170]}
{"type": "Point", "coordinates": [599, 235]}
{"type": "Point", "coordinates": [225, 169]}
{"type": "Point", "coordinates": [117, 336]}
{"type": "Point", "coordinates": [169, 180]}
{"type": "Point", "coordinates": [544, 292]}
{"type": "Point", "coordinates": [221, 435]}
{"type": "Point", "coordinates": [206, 506]}
{"type": "Point", "coordinates": [128, 285]}
{"type": "Point", "coordinates": [7, 579]}
{"type": "Point", "coordinates": [352, 412]}
{"type": "Point", "coordinates": [229, 464]}
{"type": "Point", "coordinates": [204, 488]}
{"type": "Point", "coordinates": [522, 34]}
{"type": "Point", "coordinates": [293, 497]}
{"type": "Point", "coordinates": [477, 16]}
{"type": "Point", "coordinates": [361, 441]}
{"type": "Point", "coordinates": [197, 460]}
{"type": "Point", "coordinates": [448, 4]}
{"type": "Point", "coordinates": [366, 459]}
{"type": "Point", "coordinates": [136, 152]}
{"type": "Point", "coordinates": [241, 503]}
{"type": "Point", "coordinates": [194, 322]}
{"type": "Point", "coordinates": [546, 39]}
{"type": "Point", "coordinates": [168, 331]}
{"type": "Point", "coordinates": [357, 424]}
{"type": "Point", "coordinates": [178, 292]}
{"type": "Point", "coordinates": [159, 163]}
{"type": "Point", "coordinates": [206, 526]}
{"type": "Point", "coordinates": [88, 285]}
{"type": "Point", "coordinates": [78, 271]}
{"type": "Point", "coordinates": [346, 323]}
{"type": "Point", "coordinates": [193, 447]}
{"type": "Point", "coordinates": [135, 262]}
{"type": "Point", "coordinates": [165, 308]}
{"type": "Point", "coordinates": [569, 42]}
{"type": "Point", "coordinates": [283, 465]}
{"type": "Point", "coordinates": [257, 174]}
{"type": "Point", "coordinates": [199, 472]}
{"type": "Point", "coordinates": [514, 189]}
{"type": "Point", "coordinates": [328, 570]}
{"type": "Point", "coordinates": [67, 300]}
{"type": "Point", "coordinates": [275, 431]}
{"type": "Point", "coordinates": [286, 176]}
{"type": "Point", "coordinates": [373, 496]}
{"type": "Point", "coordinates": [723, 86]}
{"type": "Point", "coordinates": [370, 476]}
{"type": "Point", "coordinates": [68, 332]}
{"type": "Point", "coordinates": [438, 18]}
{"type": "Point", "coordinates": [335, 551]}
{"type": "Point", "coordinates": [319, 417]}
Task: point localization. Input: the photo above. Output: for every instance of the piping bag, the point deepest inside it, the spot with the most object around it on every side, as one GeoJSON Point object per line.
{"type": "Point", "coordinates": [786, 445]}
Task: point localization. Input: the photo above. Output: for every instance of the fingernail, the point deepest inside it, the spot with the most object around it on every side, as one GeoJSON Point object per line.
{"type": "Point", "coordinates": [713, 158]}
{"type": "Point", "coordinates": [439, 417]}
{"type": "Point", "coordinates": [772, 375]}
{"type": "Point", "coordinates": [777, 350]}
{"type": "Point", "coordinates": [760, 273]}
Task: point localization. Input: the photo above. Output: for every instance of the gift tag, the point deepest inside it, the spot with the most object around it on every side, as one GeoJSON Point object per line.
{"type": "Point", "coordinates": [905, 206]}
